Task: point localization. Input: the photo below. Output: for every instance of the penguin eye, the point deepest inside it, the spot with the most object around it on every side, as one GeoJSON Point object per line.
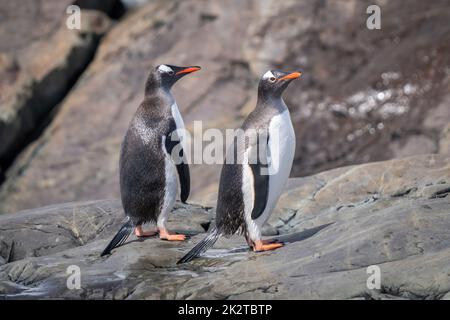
{"type": "Point", "coordinates": [170, 72]}
{"type": "Point", "coordinates": [272, 79]}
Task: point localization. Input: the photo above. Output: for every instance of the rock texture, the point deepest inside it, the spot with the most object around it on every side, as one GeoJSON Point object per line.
{"type": "Point", "coordinates": [40, 58]}
{"type": "Point", "coordinates": [365, 96]}
{"type": "Point", "coordinates": [393, 214]}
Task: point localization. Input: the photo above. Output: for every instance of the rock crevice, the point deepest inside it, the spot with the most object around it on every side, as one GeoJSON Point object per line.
{"type": "Point", "coordinates": [38, 68]}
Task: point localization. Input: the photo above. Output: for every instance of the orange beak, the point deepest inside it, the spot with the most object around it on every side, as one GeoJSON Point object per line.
{"type": "Point", "coordinates": [188, 70]}
{"type": "Point", "coordinates": [293, 75]}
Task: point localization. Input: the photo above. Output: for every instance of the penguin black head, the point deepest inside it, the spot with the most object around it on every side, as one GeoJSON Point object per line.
{"type": "Point", "coordinates": [274, 82]}
{"type": "Point", "coordinates": [164, 76]}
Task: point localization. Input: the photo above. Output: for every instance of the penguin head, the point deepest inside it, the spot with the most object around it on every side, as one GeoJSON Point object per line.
{"type": "Point", "coordinates": [274, 82]}
{"type": "Point", "coordinates": [165, 75]}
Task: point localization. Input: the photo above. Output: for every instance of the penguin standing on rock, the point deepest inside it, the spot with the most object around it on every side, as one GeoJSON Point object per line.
{"type": "Point", "coordinates": [148, 167]}
{"type": "Point", "coordinates": [251, 185]}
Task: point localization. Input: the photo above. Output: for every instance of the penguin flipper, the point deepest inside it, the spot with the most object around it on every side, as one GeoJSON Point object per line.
{"type": "Point", "coordinates": [260, 176]}
{"type": "Point", "coordinates": [185, 180]}
{"type": "Point", "coordinates": [119, 238]}
{"type": "Point", "coordinates": [182, 166]}
{"type": "Point", "coordinates": [202, 246]}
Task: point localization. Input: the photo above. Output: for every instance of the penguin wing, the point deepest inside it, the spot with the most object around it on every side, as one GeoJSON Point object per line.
{"type": "Point", "coordinates": [261, 175]}
{"type": "Point", "coordinates": [172, 142]}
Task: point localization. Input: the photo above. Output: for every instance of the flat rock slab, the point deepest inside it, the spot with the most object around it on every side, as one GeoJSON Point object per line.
{"type": "Point", "coordinates": [330, 240]}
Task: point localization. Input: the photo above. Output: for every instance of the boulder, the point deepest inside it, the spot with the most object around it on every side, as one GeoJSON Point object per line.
{"type": "Point", "coordinates": [40, 60]}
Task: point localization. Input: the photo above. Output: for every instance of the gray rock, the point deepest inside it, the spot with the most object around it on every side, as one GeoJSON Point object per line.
{"type": "Point", "coordinates": [366, 95]}
{"type": "Point", "coordinates": [392, 214]}
{"type": "Point", "coordinates": [444, 142]}
{"type": "Point", "coordinates": [39, 61]}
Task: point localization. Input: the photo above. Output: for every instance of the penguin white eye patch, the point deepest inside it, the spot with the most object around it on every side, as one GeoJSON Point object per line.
{"type": "Point", "coordinates": [268, 75]}
{"type": "Point", "coordinates": [164, 68]}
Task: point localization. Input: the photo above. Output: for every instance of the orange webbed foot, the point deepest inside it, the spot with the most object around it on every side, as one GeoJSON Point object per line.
{"type": "Point", "coordinates": [264, 246]}
{"type": "Point", "coordinates": [141, 233]}
{"type": "Point", "coordinates": [165, 235]}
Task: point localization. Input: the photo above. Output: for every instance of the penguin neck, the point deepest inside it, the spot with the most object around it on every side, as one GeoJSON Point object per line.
{"type": "Point", "coordinates": [155, 89]}
{"type": "Point", "coordinates": [163, 94]}
{"type": "Point", "coordinates": [270, 101]}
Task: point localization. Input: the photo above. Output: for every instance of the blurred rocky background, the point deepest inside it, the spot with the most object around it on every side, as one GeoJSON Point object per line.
{"type": "Point", "coordinates": [67, 96]}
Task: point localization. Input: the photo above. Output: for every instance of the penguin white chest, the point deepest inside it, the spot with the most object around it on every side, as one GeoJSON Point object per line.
{"type": "Point", "coordinates": [181, 134]}
{"type": "Point", "coordinates": [170, 189]}
{"type": "Point", "coordinates": [282, 150]}
{"type": "Point", "coordinates": [177, 116]}
{"type": "Point", "coordinates": [171, 173]}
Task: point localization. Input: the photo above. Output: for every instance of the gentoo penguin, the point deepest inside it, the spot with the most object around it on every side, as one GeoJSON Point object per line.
{"type": "Point", "coordinates": [251, 185]}
{"type": "Point", "coordinates": [148, 167]}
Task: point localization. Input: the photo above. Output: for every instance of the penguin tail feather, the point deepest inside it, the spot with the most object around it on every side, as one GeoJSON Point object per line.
{"type": "Point", "coordinates": [202, 246]}
{"type": "Point", "coordinates": [119, 238]}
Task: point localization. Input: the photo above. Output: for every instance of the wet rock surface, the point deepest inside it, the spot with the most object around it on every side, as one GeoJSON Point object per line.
{"type": "Point", "coordinates": [365, 95]}
{"type": "Point", "coordinates": [393, 214]}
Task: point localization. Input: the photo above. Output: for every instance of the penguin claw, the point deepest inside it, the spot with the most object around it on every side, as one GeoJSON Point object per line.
{"type": "Point", "coordinates": [261, 246]}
